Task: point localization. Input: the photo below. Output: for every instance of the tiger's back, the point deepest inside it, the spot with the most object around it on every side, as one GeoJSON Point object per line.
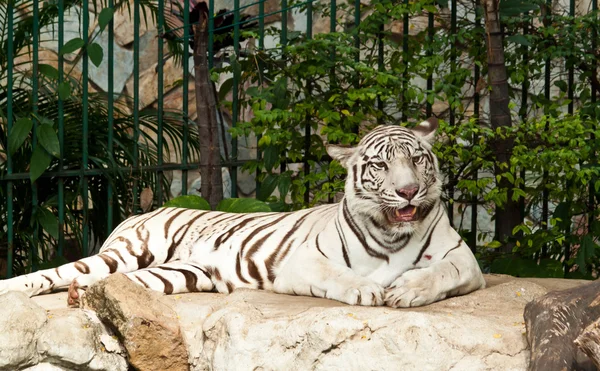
{"type": "Point", "coordinates": [242, 250]}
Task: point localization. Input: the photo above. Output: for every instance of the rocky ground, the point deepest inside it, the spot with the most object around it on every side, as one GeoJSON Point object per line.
{"type": "Point", "coordinates": [123, 324]}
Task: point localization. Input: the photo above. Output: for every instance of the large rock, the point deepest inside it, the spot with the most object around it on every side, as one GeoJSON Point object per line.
{"type": "Point", "coordinates": [261, 330]}
{"type": "Point", "coordinates": [147, 326]}
{"type": "Point", "coordinates": [20, 319]}
{"type": "Point", "coordinates": [34, 338]}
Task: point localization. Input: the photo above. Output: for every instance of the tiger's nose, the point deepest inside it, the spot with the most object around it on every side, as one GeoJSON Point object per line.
{"type": "Point", "coordinates": [408, 192]}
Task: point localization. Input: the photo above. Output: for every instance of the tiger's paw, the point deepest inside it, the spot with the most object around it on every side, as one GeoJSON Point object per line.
{"type": "Point", "coordinates": [75, 293]}
{"type": "Point", "coordinates": [412, 289]}
{"type": "Point", "coordinates": [366, 294]}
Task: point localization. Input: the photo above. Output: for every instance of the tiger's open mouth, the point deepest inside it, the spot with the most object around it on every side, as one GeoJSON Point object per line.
{"type": "Point", "coordinates": [406, 214]}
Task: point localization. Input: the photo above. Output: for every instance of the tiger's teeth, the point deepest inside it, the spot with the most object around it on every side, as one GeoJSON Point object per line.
{"type": "Point", "coordinates": [414, 211]}
{"type": "Point", "coordinates": [398, 214]}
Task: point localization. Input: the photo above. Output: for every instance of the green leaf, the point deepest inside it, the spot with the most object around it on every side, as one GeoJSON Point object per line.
{"type": "Point", "coordinates": [64, 90]}
{"type": "Point", "coordinates": [285, 180]}
{"type": "Point", "coordinates": [19, 132]}
{"type": "Point", "coordinates": [48, 71]}
{"type": "Point", "coordinates": [516, 7]}
{"type": "Point", "coordinates": [48, 139]}
{"type": "Point", "coordinates": [71, 46]}
{"type": "Point", "coordinates": [188, 202]}
{"type": "Point", "coordinates": [48, 220]}
{"type": "Point", "coordinates": [104, 17]}
{"type": "Point", "coordinates": [267, 186]}
{"type": "Point", "coordinates": [243, 205]}
{"type": "Point", "coordinates": [518, 39]}
{"type": "Point", "coordinates": [95, 53]}
{"type": "Point", "coordinates": [225, 88]}
{"type": "Point", "coordinates": [270, 156]}
{"type": "Point", "coordinates": [40, 160]}
{"type": "Point", "coordinates": [561, 85]}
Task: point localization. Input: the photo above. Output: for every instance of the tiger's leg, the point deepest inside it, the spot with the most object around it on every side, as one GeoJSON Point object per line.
{"type": "Point", "coordinates": [119, 255]}
{"type": "Point", "coordinates": [309, 272]}
{"type": "Point", "coordinates": [170, 278]}
{"type": "Point", "coordinates": [454, 271]}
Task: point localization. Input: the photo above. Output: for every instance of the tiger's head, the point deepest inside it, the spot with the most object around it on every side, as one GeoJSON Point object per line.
{"type": "Point", "coordinates": [393, 175]}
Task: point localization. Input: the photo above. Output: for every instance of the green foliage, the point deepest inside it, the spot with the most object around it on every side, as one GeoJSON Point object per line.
{"type": "Point", "coordinates": [228, 205]}
{"type": "Point", "coordinates": [188, 202]}
{"type": "Point", "coordinates": [243, 205]}
{"type": "Point", "coordinates": [341, 84]}
{"type": "Point", "coordinates": [35, 149]}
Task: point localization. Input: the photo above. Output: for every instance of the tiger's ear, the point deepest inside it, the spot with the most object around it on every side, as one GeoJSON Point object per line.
{"type": "Point", "coordinates": [341, 153]}
{"type": "Point", "coordinates": [427, 129]}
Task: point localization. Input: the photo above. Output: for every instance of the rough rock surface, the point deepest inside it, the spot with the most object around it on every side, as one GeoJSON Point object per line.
{"type": "Point", "coordinates": [62, 339]}
{"type": "Point", "coordinates": [260, 330]}
{"type": "Point", "coordinates": [147, 325]}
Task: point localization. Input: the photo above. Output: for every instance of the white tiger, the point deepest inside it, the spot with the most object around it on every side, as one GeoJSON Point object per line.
{"type": "Point", "coordinates": [389, 241]}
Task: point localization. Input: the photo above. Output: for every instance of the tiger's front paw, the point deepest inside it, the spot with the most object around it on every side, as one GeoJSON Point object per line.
{"type": "Point", "coordinates": [413, 289]}
{"type": "Point", "coordinates": [367, 294]}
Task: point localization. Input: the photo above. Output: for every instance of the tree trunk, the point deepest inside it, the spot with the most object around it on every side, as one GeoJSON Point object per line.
{"type": "Point", "coordinates": [553, 323]}
{"type": "Point", "coordinates": [208, 129]}
{"type": "Point", "coordinates": [589, 342]}
{"type": "Point", "coordinates": [509, 216]}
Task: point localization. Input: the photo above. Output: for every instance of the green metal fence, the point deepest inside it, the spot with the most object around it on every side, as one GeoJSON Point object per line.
{"type": "Point", "coordinates": [71, 186]}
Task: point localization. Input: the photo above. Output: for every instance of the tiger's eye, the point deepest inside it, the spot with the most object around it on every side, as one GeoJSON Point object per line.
{"type": "Point", "coordinates": [379, 165]}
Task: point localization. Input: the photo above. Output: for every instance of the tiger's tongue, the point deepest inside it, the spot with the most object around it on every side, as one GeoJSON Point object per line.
{"type": "Point", "coordinates": [405, 214]}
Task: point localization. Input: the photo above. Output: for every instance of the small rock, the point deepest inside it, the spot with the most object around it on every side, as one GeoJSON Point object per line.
{"type": "Point", "coordinates": [148, 327]}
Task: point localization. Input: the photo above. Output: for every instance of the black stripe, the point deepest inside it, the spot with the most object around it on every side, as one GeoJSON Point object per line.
{"type": "Point", "coordinates": [227, 235]}
{"type": "Point", "coordinates": [454, 248]}
{"type": "Point", "coordinates": [342, 240]}
{"type": "Point", "coordinates": [171, 219]}
{"type": "Point", "coordinates": [82, 267]}
{"type": "Point", "coordinates": [238, 268]}
{"type": "Point", "coordinates": [428, 241]}
{"type": "Point", "coordinates": [258, 230]}
{"type": "Point", "coordinates": [49, 279]}
{"type": "Point", "coordinates": [191, 281]}
{"type": "Point", "coordinates": [274, 257]}
{"type": "Point", "coordinates": [110, 263]}
{"type": "Point", "coordinates": [361, 238]}
{"type": "Point", "coordinates": [141, 281]}
{"type": "Point", "coordinates": [457, 271]}
{"type": "Point", "coordinates": [175, 244]}
{"type": "Point", "coordinates": [319, 248]}
{"type": "Point", "coordinates": [168, 285]}
{"type": "Point", "coordinates": [146, 257]}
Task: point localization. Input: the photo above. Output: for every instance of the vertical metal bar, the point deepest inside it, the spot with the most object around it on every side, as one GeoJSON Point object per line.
{"type": "Point", "coordinates": [111, 97]}
{"type": "Point", "coordinates": [405, 30]}
{"type": "Point", "coordinates": [33, 254]}
{"type": "Point", "coordinates": [61, 132]}
{"type": "Point", "coordinates": [186, 79]}
{"type": "Point", "coordinates": [476, 100]}
{"type": "Point", "coordinates": [283, 36]}
{"type": "Point", "coordinates": [430, 35]}
{"type": "Point", "coordinates": [547, 70]}
{"type": "Point", "coordinates": [85, 24]}
{"type": "Point", "coordinates": [261, 47]}
{"type": "Point", "coordinates": [307, 131]}
{"type": "Point", "coordinates": [452, 120]}
{"type": "Point", "coordinates": [357, 47]}
{"type": "Point", "coordinates": [594, 99]}
{"type": "Point", "coordinates": [524, 93]}
{"type": "Point", "coordinates": [235, 107]}
{"type": "Point", "coordinates": [332, 78]}
{"type": "Point", "coordinates": [9, 124]}
{"type": "Point", "coordinates": [159, 151]}
{"type": "Point", "coordinates": [211, 32]}
{"type": "Point", "coordinates": [380, 68]}
{"type": "Point", "coordinates": [136, 102]}
{"type": "Point", "coordinates": [570, 83]}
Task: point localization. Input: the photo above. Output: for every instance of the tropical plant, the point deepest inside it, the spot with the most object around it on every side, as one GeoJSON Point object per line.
{"type": "Point", "coordinates": [51, 157]}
